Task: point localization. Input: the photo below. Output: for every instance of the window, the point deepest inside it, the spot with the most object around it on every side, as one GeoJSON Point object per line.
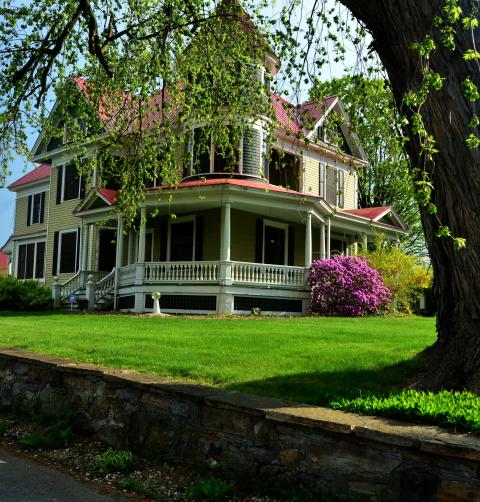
{"type": "Point", "coordinates": [36, 208]}
{"type": "Point", "coordinates": [68, 251]}
{"type": "Point", "coordinates": [70, 184]}
{"type": "Point", "coordinates": [321, 180]}
{"type": "Point", "coordinates": [31, 260]}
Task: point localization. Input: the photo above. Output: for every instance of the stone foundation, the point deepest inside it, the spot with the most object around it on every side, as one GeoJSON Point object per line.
{"type": "Point", "coordinates": [331, 452]}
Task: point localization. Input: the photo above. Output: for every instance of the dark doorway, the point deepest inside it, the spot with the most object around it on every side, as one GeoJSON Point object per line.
{"type": "Point", "coordinates": [274, 250]}
{"type": "Point", "coordinates": [107, 250]}
{"type": "Point", "coordinates": [181, 241]}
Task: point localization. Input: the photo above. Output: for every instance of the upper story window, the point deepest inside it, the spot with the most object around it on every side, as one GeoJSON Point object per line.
{"type": "Point", "coordinates": [70, 185]}
{"type": "Point", "coordinates": [332, 185]}
{"type": "Point", "coordinates": [36, 208]}
{"type": "Point", "coordinates": [31, 260]}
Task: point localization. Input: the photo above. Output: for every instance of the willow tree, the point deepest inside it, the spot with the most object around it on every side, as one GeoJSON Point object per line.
{"type": "Point", "coordinates": [133, 55]}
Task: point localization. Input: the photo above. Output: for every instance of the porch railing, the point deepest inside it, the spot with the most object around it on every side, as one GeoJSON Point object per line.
{"type": "Point", "coordinates": [70, 286]}
{"type": "Point", "coordinates": [259, 273]}
{"type": "Point", "coordinates": [193, 271]}
{"type": "Point", "coordinates": [127, 274]}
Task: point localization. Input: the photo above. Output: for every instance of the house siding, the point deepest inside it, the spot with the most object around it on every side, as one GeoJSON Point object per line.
{"type": "Point", "coordinates": [21, 210]}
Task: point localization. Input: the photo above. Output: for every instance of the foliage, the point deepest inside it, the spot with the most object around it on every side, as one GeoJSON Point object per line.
{"type": "Point", "coordinates": [4, 426]}
{"type": "Point", "coordinates": [55, 436]}
{"type": "Point", "coordinates": [386, 180]}
{"type": "Point", "coordinates": [148, 489]}
{"type": "Point", "coordinates": [23, 295]}
{"type": "Point", "coordinates": [210, 488]}
{"type": "Point", "coordinates": [404, 275]}
{"type": "Point", "coordinates": [114, 461]}
{"type": "Point", "coordinates": [447, 409]}
{"type": "Point", "coordinates": [346, 286]}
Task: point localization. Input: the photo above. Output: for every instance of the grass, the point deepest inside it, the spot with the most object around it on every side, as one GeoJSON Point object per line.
{"type": "Point", "coordinates": [312, 360]}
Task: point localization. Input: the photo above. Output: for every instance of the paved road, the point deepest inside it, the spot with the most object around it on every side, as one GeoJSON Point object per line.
{"type": "Point", "coordinates": [24, 480]}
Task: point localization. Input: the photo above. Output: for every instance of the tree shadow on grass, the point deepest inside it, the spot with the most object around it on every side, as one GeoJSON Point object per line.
{"type": "Point", "coordinates": [322, 388]}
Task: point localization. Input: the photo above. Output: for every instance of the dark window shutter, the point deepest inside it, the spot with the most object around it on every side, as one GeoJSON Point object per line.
{"type": "Point", "coordinates": [259, 242]}
{"type": "Point", "coordinates": [59, 184]}
{"type": "Point", "coordinates": [22, 259]}
{"type": "Point", "coordinates": [291, 245]}
{"type": "Point", "coordinates": [82, 187]}
{"type": "Point", "coordinates": [331, 185]}
{"type": "Point", "coordinates": [55, 253]}
{"type": "Point", "coordinates": [252, 148]}
{"type": "Point", "coordinates": [77, 264]}
{"type": "Point", "coordinates": [42, 207]}
{"type": "Point", "coordinates": [29, 213]}
{"type": "Point", "coordinates": [40, 264]}
{"type": "Point", "coordinates": [163, 240]}
{"type": "Point", "coordinates": [199, 238]}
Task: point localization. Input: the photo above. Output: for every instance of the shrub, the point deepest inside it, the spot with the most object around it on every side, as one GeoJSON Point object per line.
{"type": "Point", "coordinates": [404, 275]}
{"type": "Point", "coordinates": [23, 295]}
{"type": "Point", "coordinates": [56, 436]}
{"type": "Point", "coordinates": [114, 461]}
{"type": "Point", "coordinates": [210, 488]}
{"type": "Point", "coordinates": [346, 286]}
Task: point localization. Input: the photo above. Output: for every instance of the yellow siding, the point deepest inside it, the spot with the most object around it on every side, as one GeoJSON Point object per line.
{"type": "Point", "coordinates": [243, 236]}
{"type": "Point", "coordinates": [211, 234]}
{"type": "Point", "coordinates": [60, 217]}
{"type": "Point", "coordinates": [350, 191]}
{"type": "Point", "coordinates": [311, 181]}
{"type": "Point", "coordinates": [21, 210]}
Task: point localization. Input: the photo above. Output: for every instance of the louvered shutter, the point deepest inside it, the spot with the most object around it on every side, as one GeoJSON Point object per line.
{"type": "Point", "coordinates": [59, 184]}
{"type": "Point", "coordinates": [42, 207]}
{"type": "Point", "coordinates": [55, 254]}
{"type": "Point", "coordinates": [29, 213]}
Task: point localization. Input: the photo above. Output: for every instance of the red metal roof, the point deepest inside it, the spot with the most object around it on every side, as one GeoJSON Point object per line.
{"type": "Point", "coordinates": [37, 174]}
{"type": "Point", "coordinates": [3, 261]}
{"type": "Point", "coordinates": [108, 194]}
{"type": "Point", "coordinates": [370, 213]}
{"type": "Point", "coordinates": [259, 185]}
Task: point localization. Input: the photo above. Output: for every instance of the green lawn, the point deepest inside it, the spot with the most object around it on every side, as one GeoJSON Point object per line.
{"type": "Point", "coordinates": [312, 360]}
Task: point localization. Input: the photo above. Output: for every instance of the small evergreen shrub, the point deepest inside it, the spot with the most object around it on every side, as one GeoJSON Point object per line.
{"type": "Point", "coordinates": [347, 286]}
{"type": "Point", "coordinates": [24, 295]}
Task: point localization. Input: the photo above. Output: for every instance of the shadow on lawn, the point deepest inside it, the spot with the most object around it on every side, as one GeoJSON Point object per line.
{"type": "Point", "coordinates": [321, 388]}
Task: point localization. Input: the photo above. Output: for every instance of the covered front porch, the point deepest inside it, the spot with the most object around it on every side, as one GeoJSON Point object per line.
{"type": "Point", "coordinates": [221, 250]}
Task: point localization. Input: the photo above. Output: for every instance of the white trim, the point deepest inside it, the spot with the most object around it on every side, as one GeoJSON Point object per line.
{"type": "Point", "coordinates": [183, 219]}
{"type": "Point", "coordinates": [31, 188]}
{"type": "Point", "coordinates": [322, 118]}
{"type": "Point", "coordinates": [283, 226]}
{"type": "Point", "coordinates": [62, 194]}
{"type": "Point", "coordinates": [59, 249]}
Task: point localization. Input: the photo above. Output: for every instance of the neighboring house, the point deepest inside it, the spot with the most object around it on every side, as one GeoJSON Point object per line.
{"type": "Point", "coordinates": [247, 244]}
{"type": "Point", "coordinates": [4, 264]}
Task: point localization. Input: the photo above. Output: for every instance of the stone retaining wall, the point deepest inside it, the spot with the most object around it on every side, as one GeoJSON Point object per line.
{"type": "Point", "coordinates": [331, 452]}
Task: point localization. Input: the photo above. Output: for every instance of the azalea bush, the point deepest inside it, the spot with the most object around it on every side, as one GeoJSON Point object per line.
{"type": "Point", "coordinates": [347, 286]}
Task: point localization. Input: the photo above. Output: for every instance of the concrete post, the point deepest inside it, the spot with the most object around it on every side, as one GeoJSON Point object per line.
{"type": "Point", "coordinates": [56, 292]}
{"type": "Point", "coordinates": [90, 292]}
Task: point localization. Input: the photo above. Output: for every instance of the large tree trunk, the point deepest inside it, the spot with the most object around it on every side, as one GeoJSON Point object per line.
{"type": "Point", "coordinates": [394, 24]}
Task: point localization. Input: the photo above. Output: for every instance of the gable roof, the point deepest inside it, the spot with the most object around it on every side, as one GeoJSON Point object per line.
{"type": "Point", "coordinates": [39, 173]}
{"type": "Point", "coordinates": [376, 214]}
{"type": "Point", "coordinates": [97, 198]}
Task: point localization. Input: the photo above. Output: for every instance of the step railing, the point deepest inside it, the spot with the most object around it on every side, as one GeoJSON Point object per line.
{"type": "Point", "coordinates": [275, 275]}
{"type": "Point", "coordinates": [193, 271]}
{"type": "Point", "coordinates": [70, 286]}
{"type": "Point", "coordinates": [105, 286]}
{"type": "Point", "coordinates": [127, 274]}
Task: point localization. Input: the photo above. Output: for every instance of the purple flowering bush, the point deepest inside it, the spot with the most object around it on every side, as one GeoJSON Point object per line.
{"type": "Point", "coordinates": [347, 286]}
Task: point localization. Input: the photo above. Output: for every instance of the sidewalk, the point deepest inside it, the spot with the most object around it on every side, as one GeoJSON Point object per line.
{"type": "Point", "coordinates": [24, 480]}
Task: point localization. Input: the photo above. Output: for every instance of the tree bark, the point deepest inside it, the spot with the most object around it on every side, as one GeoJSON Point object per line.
{"type": "Point", "coordinates": [454, 360]}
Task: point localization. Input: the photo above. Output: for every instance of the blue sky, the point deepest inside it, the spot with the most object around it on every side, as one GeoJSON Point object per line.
{"type": "Point", "coordinates": [17, 167]}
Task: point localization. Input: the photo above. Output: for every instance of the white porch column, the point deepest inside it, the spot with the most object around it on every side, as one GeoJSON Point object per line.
{"type": "Point", "coordinates": [225, 298]}
{"type": "Point", "coordinates": [308, 240]}
{"type": "Point", "coordinates": [226, 232]}
{"type": "Point", "coordinates": [118, 259]}
{"type": "Point", "coordinates": [364, 242]}
{"type": "Point", "coordinates": [140, 268]}
{"type": "Point", "coordinates": [329, 231]}
{"type": "Point", "coordinates": [322, 241]}
{"type": "Point", "coordinates": [131, 246]}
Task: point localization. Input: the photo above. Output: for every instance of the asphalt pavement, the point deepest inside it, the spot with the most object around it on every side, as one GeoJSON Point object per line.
{"type": "Point", "coordinates": [24, 480]}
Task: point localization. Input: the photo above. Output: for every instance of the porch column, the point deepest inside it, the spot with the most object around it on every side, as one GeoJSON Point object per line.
{"type": "Point", "coordinates": [131, 248]}
{"type": "Point", "coordinates": [225, 298]}
{"type": "Point", "coordinates": [118, 259]}
{"type": "Point", "coordinates": [84, 255]}
{"type": "Point", "coordinates": [329, 231]}
{"type": "Point", "coordinates": [308, 240]}
{"type": "Point", "coordinates": [322, 241]}
{"type": "Point", "coordinates": [140, 268]}
{"type": "Point", "coordinates": [364, 242]}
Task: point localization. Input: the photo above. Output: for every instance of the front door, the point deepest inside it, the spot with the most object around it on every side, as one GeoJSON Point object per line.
{"type": "Point", "coordinates": [274, 245]}
{"type": "Point", "coordinates": [107, 249]}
